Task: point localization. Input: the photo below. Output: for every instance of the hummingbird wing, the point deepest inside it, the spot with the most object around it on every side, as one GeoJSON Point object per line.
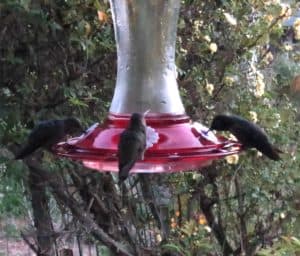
{"type": "Point", "coordinates": [252, 136]}
{"type": "Point", "coordinates": [263, 145]}
{"type": "Point", "coordinates": [131, 148]}
{"type": "Point", "coordinates": [244, 132]}
{"type": "Point", "coordinates": [26, 150]}
{"type": "Point", "coordinates": [45, 134]}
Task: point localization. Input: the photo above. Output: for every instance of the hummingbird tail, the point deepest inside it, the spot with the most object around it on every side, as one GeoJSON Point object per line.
{"type": "Point", "coordinates": [124, 171]}
{"type": "Point", "coordinates": [274, 154]}
{"type": "Point", "coordinates": [278, 150]}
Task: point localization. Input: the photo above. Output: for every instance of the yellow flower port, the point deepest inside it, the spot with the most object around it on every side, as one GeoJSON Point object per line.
{"type": "Point", "coordinates": [232, 159]}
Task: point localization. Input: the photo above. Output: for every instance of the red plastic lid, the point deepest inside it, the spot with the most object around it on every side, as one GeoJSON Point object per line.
{"type": "Point", "coordinates": [181, 146]}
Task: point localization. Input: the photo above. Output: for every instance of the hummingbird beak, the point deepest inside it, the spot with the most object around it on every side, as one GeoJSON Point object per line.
{"type": "Point", "coordinates": [81, 129]}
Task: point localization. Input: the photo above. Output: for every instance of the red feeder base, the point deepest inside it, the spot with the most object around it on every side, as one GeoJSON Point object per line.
{"type": "Point", "coordinates": [182, 145]}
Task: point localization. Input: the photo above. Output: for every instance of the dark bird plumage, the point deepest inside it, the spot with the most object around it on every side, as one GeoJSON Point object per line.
{"type": "Point", "coordinates": [132, 145]}
{"type": "Point", "coordinates": [249, 134]}
{"type": "Point", "coordinates": [48, 133]}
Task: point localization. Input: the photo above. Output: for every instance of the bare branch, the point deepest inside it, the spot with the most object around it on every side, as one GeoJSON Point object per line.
{"type": "Point", "coordinates": [241, 216]}
{"type": "Point", "coordinates": [84, 218]}
{"type": "Point", "coordinates": [31, 246]}
{"type": "Point", "coordinates": [206, 204]}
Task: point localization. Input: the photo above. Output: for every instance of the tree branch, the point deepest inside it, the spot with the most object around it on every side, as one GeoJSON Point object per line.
{"type": "Point", "coordinates": [241, 216]}
{"type": "Point", "coordinates": [31, 246]}
{"type": "Point", "coordinates": [84, 218]}
{"type": "Point", "coordinates": [206, 204]}
{"type": "Point", "coordinates": [274, 22]}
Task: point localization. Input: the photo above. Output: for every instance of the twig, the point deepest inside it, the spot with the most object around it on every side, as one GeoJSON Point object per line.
{"type": "Point", "coordinates": [233, 177]}
{"type": "Point", "coordinates": [149, 197]}
{"type": "Point", "coordinates": [206, 204]}
{"type": "Point", "coordinates": [90, 204]}
{"type": "Point", "coordinates": [241, 216]}
{"type": "Point", "coordinates": [32, 246]}
{"type": "Point", "coordinates": [264, 32]}
{"type": "Point", "coordinates": [84, 218]}
{"type": "Point", "coordinates": [179, 209]}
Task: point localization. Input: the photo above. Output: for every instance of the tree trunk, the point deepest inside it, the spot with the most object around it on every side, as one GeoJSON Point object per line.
{"type": "Point", "coordinates": [41, 215]}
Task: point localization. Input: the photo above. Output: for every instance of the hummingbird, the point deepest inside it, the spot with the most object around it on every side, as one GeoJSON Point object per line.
{"type": "Point", "coordinates": [132, 145]}
{"type": "Point", "coordinates": [47, 133]}
{"type": "Point", "coordinates": [249, 134]}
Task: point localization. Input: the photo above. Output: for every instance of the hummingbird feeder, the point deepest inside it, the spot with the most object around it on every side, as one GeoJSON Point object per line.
{"type": "Point", "coordinates": [145, 33]}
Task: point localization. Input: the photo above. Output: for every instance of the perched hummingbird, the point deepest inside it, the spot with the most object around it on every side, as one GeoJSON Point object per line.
{"type": "Point", "coordinates": [249, 134]}
{"type": "Point", "coordinates": [132, 145]}
{"type": "Point", "coordinates": [48, 133]}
